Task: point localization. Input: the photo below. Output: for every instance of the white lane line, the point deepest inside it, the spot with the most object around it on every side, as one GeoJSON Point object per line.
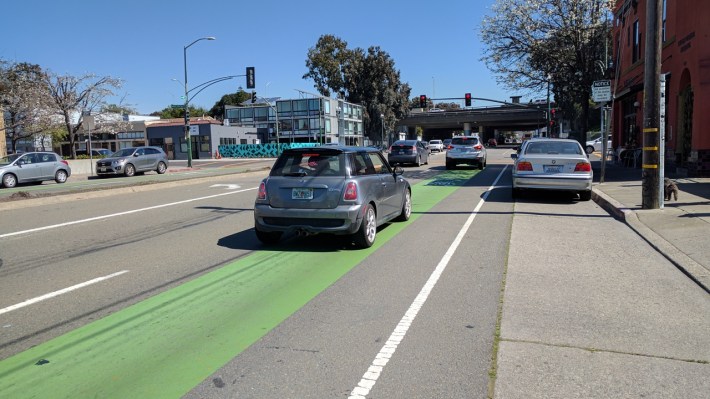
{"type": "Point", "coordinates": [54, 226]}
{"type": "Point", "coordinates": [377, 366]}
{"type": "Point", "coordinates": [60, 292]}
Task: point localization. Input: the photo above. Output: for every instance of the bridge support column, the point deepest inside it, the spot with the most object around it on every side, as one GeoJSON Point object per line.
{"type": "Point", "coordinates": [467, 128]}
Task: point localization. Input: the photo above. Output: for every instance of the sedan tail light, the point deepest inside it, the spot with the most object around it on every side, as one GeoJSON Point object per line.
{"type": "Point", "coordinates": [350, 192]}
{"type": "Point", "coordinates": [583, 167]}
{"type": "Point", "coordinates": [525, 166]}
{"type": "Point", "coordinates": [262, 191]}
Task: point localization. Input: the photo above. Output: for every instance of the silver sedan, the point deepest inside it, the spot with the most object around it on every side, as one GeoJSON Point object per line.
{"type": "Point", "coordinates": [553, 164]}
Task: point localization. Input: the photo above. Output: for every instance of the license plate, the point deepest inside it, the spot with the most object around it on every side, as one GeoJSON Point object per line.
{"type": "Point", "coordinates": [102, 169]}
{"type": "Point", "coordinates": [302, 193]}
{"type": "Point", "coordinates": [552, 168]}
{"type": "Point", "coordinates": [401, 152]}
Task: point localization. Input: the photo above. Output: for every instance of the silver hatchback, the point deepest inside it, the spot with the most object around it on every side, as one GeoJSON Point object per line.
{"type": "Point", "coordinates": [466, 150]}
{"type": "Point", "coordinates": [33, 167]}
{"type": "Point", "coordinates": [337, 190]}
{"type": "Point", "coordinates": [132, 160]}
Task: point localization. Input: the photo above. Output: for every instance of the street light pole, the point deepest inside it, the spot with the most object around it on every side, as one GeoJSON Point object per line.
{"type": "Point", "coordinates": [187, 101]}
{"type": "Point", "coordinates": [382, 123]}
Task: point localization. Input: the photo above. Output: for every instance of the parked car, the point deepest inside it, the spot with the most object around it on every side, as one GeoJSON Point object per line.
{"type": "Point", "coordinates": [33, 167]}
{"type": "Point", "coordinates": [338, 190]}
{"type": "Point", "coordinates": [436, 145]}
{"type": "Point", "coordinates": [447, 143]}
{"type": "Point", "coordinates": [596, 145]}
{"type": "Point", "coordinates": [408, 151]}
{"type": "Point", "coordinates": [552, 164]}
{"type": "Point", "coordinates": [132, 160]}
{"type": "Point", "coordinates": [466, 150]}
{"type": "Point", "coordinates": [96, 152]}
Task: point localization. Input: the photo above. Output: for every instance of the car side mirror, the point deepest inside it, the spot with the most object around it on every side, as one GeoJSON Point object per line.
{"type": "Point", "coordinates": [398, 171]}
{"type": "Point", "coordinates": [20, 163]}
{"type": "Point", "coordinates": [514, 156]}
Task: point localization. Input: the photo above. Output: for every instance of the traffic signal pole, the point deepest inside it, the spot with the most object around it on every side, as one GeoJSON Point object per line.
{"type": "Point", "coordinates": [650, 173]}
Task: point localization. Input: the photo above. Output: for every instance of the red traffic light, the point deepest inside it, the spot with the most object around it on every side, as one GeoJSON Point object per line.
{"type": "Point", "coordinates": [467, 96]}
{"type": "Point", "coordinates": [422, 101]}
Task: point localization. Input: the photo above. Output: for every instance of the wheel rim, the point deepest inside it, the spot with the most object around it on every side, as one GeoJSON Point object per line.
{"type": "Point", "coordinates": [61, 176]}
{"type": "Point", "coordinates": [407, 204]}
{"type": "Point", "coordinates": [130, 170]}
{"type": "Point", "coordinates": [9, 181]}
{"type": "Point", "coordinates": [370, 225]}
{"type": "Point", "coordinates": [161, 167]}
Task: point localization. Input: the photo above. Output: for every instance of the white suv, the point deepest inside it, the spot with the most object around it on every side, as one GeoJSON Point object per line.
{"type": "Point", "coordinates": [436, 145]}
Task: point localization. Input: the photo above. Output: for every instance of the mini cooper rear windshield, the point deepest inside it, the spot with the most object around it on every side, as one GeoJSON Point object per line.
{"type": "Point", "coordinates": [314, 164]}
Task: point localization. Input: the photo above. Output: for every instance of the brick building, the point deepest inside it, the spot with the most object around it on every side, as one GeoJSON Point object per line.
{"type": "Point", "coordinates": [685, 60]}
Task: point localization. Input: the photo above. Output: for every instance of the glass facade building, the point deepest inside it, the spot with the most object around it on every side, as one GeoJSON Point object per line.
{"type": "Point", "coordinates": [305, 120]}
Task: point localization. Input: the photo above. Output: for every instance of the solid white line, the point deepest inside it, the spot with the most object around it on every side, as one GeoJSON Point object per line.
{"type": "Point", "coordinates": [60, 292]}
{"type": "Point", "coordinates": [54, 226]}
{"type": "Point", "coordinates": [375, 370]}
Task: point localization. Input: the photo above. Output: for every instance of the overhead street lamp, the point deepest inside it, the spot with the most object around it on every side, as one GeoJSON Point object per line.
{"type": "Point", "coordinates": [187, 101]}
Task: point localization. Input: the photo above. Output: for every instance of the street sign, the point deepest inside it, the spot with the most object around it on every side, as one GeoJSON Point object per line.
{"type": "Point", "coordinates": [601, 91]}
{"type": "Point", "coordinates": [177, 106]}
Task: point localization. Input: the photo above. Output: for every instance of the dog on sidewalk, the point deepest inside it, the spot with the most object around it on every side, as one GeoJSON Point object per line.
{"type": "Point", "coordinates": [670, 188]}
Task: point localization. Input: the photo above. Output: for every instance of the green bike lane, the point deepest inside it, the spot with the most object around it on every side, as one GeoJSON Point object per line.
{"type": "Point", "coordinates": [166, 345]}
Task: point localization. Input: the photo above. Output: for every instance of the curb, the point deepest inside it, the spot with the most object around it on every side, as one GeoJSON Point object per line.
{"type": "Point", "coordinates": [683, 262]}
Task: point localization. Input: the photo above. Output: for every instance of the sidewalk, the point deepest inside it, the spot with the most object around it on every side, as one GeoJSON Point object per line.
{"type": "Point", "coordinates": [680, 231]}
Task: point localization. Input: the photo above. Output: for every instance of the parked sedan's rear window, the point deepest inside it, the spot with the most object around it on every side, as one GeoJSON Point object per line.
{"type": "Point", "coordinates": [553, 147]}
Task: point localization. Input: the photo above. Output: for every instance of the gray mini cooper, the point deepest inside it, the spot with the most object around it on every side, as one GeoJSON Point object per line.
{"type": "Point", "coordinates": [337, 190]}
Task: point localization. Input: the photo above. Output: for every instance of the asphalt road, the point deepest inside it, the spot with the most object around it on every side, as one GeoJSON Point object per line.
{"type": "Point", "coordinates": [163, 291]}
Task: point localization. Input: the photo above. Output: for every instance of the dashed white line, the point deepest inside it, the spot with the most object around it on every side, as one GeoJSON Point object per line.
{"type": "Point", "coordinates": [60, 292]}
{"type": "Point", "coordinates": [54, 226]}
{"type": "Point", "coordinates": [373, 372]}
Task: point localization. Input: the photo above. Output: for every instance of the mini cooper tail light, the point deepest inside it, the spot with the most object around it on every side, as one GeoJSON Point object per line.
{"type": "Point", "coordinates": [525, 166]}
{"type": "Point", "coordinates": [350, 192]}
{"type": "Point", "coordinates": [262, 191]}
{"type": "Point", "coordinates": [583, 167]}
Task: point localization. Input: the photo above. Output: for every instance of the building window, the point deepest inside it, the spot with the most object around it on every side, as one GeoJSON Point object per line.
{"type": "Point", "coordinates": [205, 143]}
{"type": "Point", "coordinates": [327, 125]}
{"type": "Point", "coordinates": [300, 107]}
{"type": "Point", "coordinates": [663, 24]}
{"type": "Point", "coordinates": [636, 51]}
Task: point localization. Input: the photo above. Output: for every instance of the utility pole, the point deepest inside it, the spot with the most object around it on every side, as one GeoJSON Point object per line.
{"type": "Point", "coordinates": [650, 173]}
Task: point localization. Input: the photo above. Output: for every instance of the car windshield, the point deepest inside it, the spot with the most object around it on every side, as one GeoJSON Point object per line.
{"type": "Point", "coordinates": [314, 164]}
{"type": "Point", "coordinates": [553, 147]}
{"type": "Point", "coordinates": [126, 152]}
{"type": "Point", "coordinates": [464, 141]}
{"type": "Point", "coordinates": [9, 159]}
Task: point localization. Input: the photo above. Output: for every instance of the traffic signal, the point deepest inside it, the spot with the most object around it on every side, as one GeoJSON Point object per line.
{"type": "Point", "coordinates": [422, 101]}
{"type": "Point", "coordinates": [253, 97]}
{"type": "Point", "coordinates": [467, 96]}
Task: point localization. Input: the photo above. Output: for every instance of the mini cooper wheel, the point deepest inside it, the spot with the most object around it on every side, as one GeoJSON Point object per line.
{"type": "Point", "coordinates": [406, 207]}
{"type": "Point", "coordinates": [365, 236]}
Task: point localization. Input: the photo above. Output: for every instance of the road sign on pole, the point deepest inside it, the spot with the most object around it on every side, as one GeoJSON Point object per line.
{"type": "Point", "coordinates": [601, 91]}
{"type": "Point", "coordinates": [177, 105]}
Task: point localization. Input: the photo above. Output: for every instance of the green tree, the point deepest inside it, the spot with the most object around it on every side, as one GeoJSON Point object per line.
{"type": "Point", "coordinates": [174, 113]}
{"type": "Point", "coordinates": [358, 76]}
{"type": "Point", "coordinates": [530, 43]}
{"type": "Point", "coordinates": [235, 99]}
{"type": "Point", "coordinates": [119, 109]}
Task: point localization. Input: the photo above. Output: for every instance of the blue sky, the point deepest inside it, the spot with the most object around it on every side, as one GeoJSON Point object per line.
{"type": "Point", "coordinates": [435, 45]}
